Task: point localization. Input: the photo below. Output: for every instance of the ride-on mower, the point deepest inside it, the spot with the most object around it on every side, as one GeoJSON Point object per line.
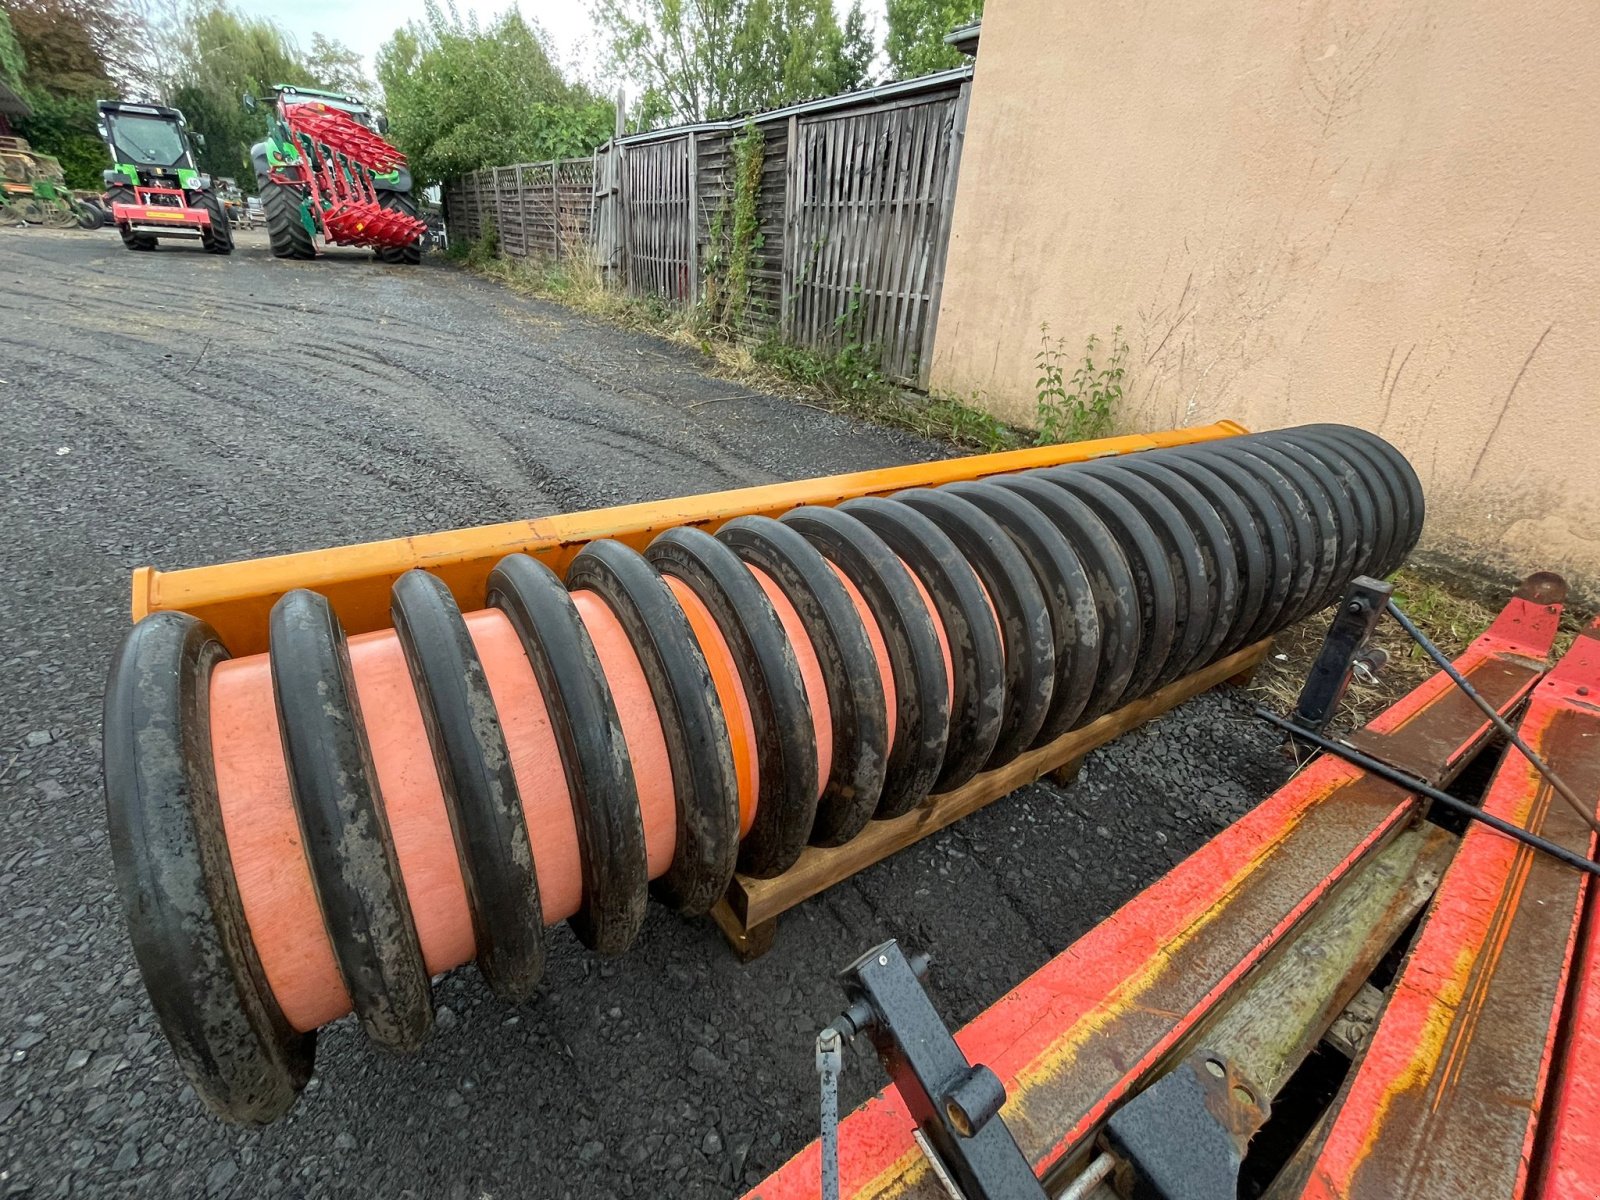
{"type": "Point", "coordinates": [326, 171]}
{"type": "Point", "coordinates": [155, 189]}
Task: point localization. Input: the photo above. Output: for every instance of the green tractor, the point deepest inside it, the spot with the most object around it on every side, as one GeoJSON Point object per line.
{"type": "Point", "coordinates": [325, 171]}
{"type": "Point", "coordinates": [154, 187]}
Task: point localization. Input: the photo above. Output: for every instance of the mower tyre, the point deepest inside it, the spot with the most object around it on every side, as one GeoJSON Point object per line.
{"type": "Point", "coordinates": [409, 255]}
{"type": "Point", "coordinates": [219, 238]}
{"type": "Point", "coordinates": [130, 239]}
{"type": "Point", "coordinates": [90, 216]}
{"type": "Point", "coordinates": [286, 232]}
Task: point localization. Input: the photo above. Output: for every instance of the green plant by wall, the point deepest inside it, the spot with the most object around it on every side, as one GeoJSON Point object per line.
{"type": "Point", "coordinates": [735, 236]}
{"type": "Point", "coordinates": [1083, 405]}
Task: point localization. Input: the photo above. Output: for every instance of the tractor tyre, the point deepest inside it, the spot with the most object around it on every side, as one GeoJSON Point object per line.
{"type": "Point", "coordinates": [286, 232]}
{"type": "Point", "coordinates": [90, 216]}
{"type": "Point", "coordinates": [133, 241]}
{"type": "Point", "coordinates": [410, 255]}
{"type": "Point", "coordinates": [219, 239]}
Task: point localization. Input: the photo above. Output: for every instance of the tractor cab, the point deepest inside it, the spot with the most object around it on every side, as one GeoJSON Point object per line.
{"type": "Point", "coordinates": [155, 187]}
{"type": "Point", "coordinates": [150, 146]}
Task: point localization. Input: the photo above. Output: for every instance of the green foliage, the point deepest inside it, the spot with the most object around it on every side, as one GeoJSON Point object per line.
{"type": "Point", "coordinates": [915, 40]}
{"type": "Point", "coordinates": [850, 381]}
{"type": "Point", "coordinates": [736, 239]}
{"type": "Point", "coordinates": [461, 97]}
{"type": "Point", "coordinates": [1083, 406]}
{"type": "Point", "coordinates": [65, 127]}
{"type": "Point", "coordinates": [714, 59]}
{"type": "Point", "coordinates": [52, 52]}
{"type": "Point", "coordinates": [219, 55]}
{"type": "Point", "coordinates": [486, 249]}
{"type": "Point", "coordinates": [334, 66]}
{"type": "Point", "coordinates": [13, 62]}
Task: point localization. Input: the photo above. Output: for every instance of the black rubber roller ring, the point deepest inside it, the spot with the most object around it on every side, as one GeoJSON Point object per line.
{"type": "Point", "coordinates": [705, 788]}
{"type": "Point", "coordinates": [977, 657]}
{"type": "Point", "coordinates": [1111, 582]}
{"type": "Point", "coordinates": [1244, 535]}
{"type": "Point", "coordinates": [1400, 474]}
{"type": "Point", "coordinates": [1217, 571]}
{"type": "Point", "coordinates": [1364, 480]}
{"type": "Point", "coordinates": [176, 878]}
{"type": "Point", "coordinates": [849, 670]}
{"type": "Point", "coordinates": [786, 749]}
{"type": "Point", "coordinates": [1336, 474]}
{"type": "Point", "coordinates": [1328, 497]}
{"type": "Point", "coordinates": [1074, 624]}
{"type": "Point", "coordinates": [475, 777]}
{"type": "Point", "coordinates": [1154, 586]}
{"type": "Point", "coordinates": [1243, 476]}
{"type": "Point", "coordinates": [594, 752]}
{"type": "Point", "coordinates": [344, 830]}
{"type": "Point", "coordinates": [1024, 620]}
{"type": "Point", "coordinates": [1400, 482]}
{"type": "Point", "coordinates": [1328, 528]}
{"type": "Point", "coordinates": [1233, 462]}
{"type": "Point", "coordinates": [1186, 558]}
{"type": "Point", "coordinates": [916, 662]}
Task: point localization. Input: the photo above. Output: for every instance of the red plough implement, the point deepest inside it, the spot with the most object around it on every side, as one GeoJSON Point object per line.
{"type": "Point", "coordinates": [1277, 936]}
{"type": "Point", "coordinates": [339, 175]}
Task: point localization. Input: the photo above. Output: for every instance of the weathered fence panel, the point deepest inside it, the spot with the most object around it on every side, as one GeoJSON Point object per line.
{"type": "Point", "coordinates": [853, 214]}
{"type": "Point", "coordinates": [867, 229]}
{"type": "Point", "coordinates": [534, 208]}
{"type": "Point", "coordinates": [656, 215]}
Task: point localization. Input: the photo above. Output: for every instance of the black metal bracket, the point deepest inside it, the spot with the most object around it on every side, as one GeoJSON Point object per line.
{"type": "Point", "coordinates": [1352, 627]}
{"type": "Point", "coordinates": [955, 1104]}
{"type": "Point", "coordinates": [1184, 1136]}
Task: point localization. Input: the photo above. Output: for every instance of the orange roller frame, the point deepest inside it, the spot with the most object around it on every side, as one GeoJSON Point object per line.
{"type": "Point", "coordinates": [235, 598]}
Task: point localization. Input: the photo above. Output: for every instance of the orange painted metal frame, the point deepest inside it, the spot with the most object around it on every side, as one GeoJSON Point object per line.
{"type": "Point", "coordinates": [235, 598]}
{"type": "Point", "coordinates": [1080, 1035]}
{"type": "Point", "coordinates": [1447, 1098]}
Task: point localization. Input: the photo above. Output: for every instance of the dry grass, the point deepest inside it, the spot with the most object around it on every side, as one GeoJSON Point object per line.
{"type": "Point", "coordinates": [1450, 618]}
{"type": "Point", "coordinates": [845, 382]}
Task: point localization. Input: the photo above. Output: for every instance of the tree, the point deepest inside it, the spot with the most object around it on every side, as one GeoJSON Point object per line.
{"type": "Point", "coordinates": [336, 67]}
{"type": "Point", "coordinates": [915, 41]}
{"type": "Point", "coordinates": [460, 96]}
{"type": "Point", "coordinates": [59, 46]}
{"type": "Point", "coordinates": [698, 60]}
{"type": "Point", "coordinates": [217, 54]}
{"type": "Point", "coordinates": [221, 54]}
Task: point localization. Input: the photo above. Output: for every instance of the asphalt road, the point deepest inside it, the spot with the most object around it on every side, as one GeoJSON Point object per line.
{"type": "Point", "coordinates": [178, 409]}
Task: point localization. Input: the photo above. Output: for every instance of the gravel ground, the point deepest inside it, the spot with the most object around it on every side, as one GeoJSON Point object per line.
{"type": "Point", "coordinates": [178, 409]}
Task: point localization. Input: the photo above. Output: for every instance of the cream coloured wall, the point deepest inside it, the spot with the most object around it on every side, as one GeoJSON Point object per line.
{"type": "Point", "coordinates": [1382, 212]}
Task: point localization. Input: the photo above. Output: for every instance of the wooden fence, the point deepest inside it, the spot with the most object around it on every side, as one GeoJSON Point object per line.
{"type": "Point", "coordinates": [853, 209]}
{"type": "Point", "coordinates": [535, 208]}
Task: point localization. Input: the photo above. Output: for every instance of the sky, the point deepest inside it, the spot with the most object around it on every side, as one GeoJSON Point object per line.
{"type": "Point", "coordinates": [364, 25]}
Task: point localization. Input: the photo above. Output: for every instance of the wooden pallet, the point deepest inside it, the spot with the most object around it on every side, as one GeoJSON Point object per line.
{"type": "Point", "coordinates": [748, 914]}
